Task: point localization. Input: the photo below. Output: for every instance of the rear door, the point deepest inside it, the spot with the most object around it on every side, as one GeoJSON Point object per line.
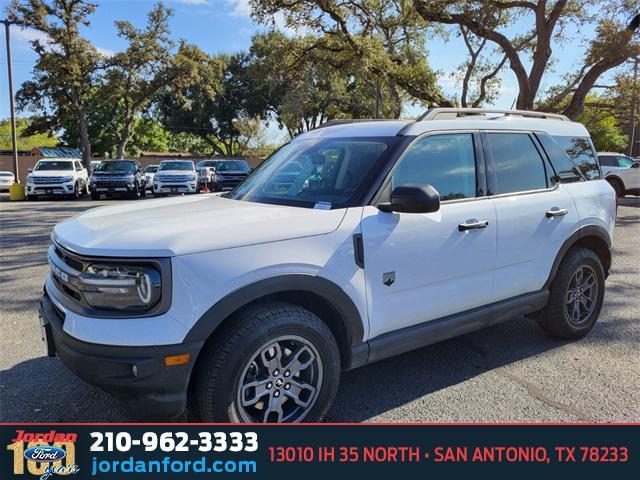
{"type": "Point", "coordinates": [628, 171]}
{"type": "Point", "coordinates": [420, 267]}
{"type": "Point", "coordinates": [535, 214]}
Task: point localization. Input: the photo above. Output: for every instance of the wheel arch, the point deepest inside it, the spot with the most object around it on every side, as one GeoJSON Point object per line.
{"type": "Point", "coordinates": [594, 238]}
{"type": "Point", "coordinates": [615, 178]}
{"type": "Point", "coordinates": [316, 294]}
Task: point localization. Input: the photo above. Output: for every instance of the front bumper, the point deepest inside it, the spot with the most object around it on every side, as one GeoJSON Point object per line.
{"type": "Point", "coordinates": [135, 375]}
{"type": "Point", "coordinates": [50, 189]}
{"type": "Point", "coordinates": [190, 187]}
{"type": "Point", "coordinates": [113, 187]}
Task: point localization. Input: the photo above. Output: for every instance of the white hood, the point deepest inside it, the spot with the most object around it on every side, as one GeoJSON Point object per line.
{"type": "Point", "coordinates": [184, 225]}
{"type": "Point", "coordinates": [52, 173]}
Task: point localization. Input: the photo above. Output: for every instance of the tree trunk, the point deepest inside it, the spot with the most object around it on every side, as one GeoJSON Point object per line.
{"type": "Point", "coordinates": [85, 141]}
{"type": "Point", "coordinates": [124, 140]}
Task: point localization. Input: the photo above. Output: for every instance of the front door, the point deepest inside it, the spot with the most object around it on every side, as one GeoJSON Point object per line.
{"type": "Point", "coordinates": [420, 267]}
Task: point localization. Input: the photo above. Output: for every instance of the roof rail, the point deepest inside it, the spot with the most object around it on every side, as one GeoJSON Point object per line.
{"type": "Point", "coordinates": [344, 121]}
{"type": "Point", "coordinates": [442, 113]}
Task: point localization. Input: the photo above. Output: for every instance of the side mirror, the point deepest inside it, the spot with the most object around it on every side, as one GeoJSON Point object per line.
{"type": "Point", "coordinates": [413, 199]}
{"type": "Point", "coordinates": [30, 170]}
{"type": "Point", "coordinates": [635, 165]}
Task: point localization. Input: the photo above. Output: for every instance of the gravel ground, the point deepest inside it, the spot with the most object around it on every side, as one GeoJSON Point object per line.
{"type": "Point", "coordinates": [509, 372]}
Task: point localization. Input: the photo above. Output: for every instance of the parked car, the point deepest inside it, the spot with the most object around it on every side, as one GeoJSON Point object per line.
{"type": "Point", "coordinates": [118, 178]}
{"type": "Point", "coordinates": [149, 171]}
{"type": "Point", "coordinates": [206, 172]}
{"type": "Point", "coordinates": [229, 174]}
{"type": "Point", "coordinates": [6, 180]}
{"type": "Point", "coordinates": [175, 176]}
{"type": "Point", "coordinates": [394, 235]}
{"type": "Point", "coordinates": [622, 172]}
{"type": "Point", "coordinates": [58, 177]}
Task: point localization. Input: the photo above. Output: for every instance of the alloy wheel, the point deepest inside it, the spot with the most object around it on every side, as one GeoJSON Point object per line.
{"type": "Point", "coordinates": [281, 382]}
{"type": "Point", "coordinates": [582, 295]}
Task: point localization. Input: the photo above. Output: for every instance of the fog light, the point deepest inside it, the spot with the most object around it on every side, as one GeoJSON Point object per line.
{"type": "Point", "coordinates": [173, 360]}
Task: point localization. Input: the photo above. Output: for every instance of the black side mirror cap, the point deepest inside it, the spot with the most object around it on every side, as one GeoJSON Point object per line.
{"type": "Point", "coordinates": [412, 199]}
{"type": "Point", "coordinates": [636, 165]}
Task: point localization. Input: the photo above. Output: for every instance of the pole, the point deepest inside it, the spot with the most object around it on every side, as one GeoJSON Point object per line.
{"type": "Point", "coordinates": [634, 106]}
{"type": "Point", "coordinates": [14, 139]}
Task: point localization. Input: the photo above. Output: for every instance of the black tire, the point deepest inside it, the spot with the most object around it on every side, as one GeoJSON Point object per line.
{"type": "Point", "coordinates": [76, 192]}
{"type": "Point", "coordinates": [555, 318]}
{"type": "Point", "coordinates": [143, 192]}
{"type": "Point", "coordinates": [95, 196]}
{"type": "Point", "coordinates": [617, 186]}
{"type": "Point", "coordinates": [136, 192]}
{"type": "Point", "coordinates": [219, 372]}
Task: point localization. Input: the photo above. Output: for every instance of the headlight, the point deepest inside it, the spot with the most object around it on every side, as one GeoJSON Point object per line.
{"type": "Point", "coordinates": [122, 287]}
{"type": "Point", "coordinates": [29, 178]}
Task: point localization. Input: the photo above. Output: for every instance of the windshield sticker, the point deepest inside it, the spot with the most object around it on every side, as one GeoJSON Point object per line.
{"type": "Point", "coordinates": [322, 206]}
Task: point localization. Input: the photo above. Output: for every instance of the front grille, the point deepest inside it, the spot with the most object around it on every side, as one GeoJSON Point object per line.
{"type": "Point", "coordinates": [112, 180]}
{"type": "Point", "coordinates": [48, 180]}
{"type": "Point", "coordinates": [174, 178]}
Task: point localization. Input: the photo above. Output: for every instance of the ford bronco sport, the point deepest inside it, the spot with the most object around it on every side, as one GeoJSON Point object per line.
{"type": "Point", "coordinates": [390, 236]}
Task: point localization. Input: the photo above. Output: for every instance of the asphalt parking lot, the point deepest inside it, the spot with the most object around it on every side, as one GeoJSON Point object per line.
{"type": "Point", "coordinates": [509, 372]}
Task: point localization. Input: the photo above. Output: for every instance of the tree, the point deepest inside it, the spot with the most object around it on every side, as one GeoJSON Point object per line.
{"type": "Point", "coordinates": [383, 39]}
{"type": "Point", "coordinates": [137, 74]}
{"type": "Point", "coordinates": [487, 18]}
{"type": "Point", "coordinates": [25, 141]}
{"type": "Point", "coordinates": [65, 72]}
{"type": "Point", "coordinates": [302, 87]}
{"type": "Point", "coordinates": [210, 100]}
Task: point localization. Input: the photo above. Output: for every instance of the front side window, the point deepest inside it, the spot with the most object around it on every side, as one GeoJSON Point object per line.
{"type": "Point", "coordinates": [446, 162]}
{"type": "Point", "coordinates": [625, 162]}
{"type": "Point", "coordinates": [581, 152]}
{"type": "Point", "coordinates": [54, 165]}
{"type": "Point", "coordinates": [517, 164]}
{"type": "Point", "coordinates": [317, 172]}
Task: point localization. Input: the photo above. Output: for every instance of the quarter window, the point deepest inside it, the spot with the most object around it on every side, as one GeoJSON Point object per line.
{"type": "Point", "coordinates": [581, 152]}
{"type": "Point", "coordinates": [446, 162]}
{"type": "Point", "coordinates": [517, 164]}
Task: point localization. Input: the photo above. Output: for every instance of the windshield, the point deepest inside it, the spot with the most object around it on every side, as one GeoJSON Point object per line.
{"type": "Point", "coordinates": [317, 173]}
{"type": "Point", "coordinates": [117, 166]}
{"type": "Point", "coordinates": [176, 166]}
{"type": "Point", "coordinates": [207, 163]}
{"type": "Point", "coordinates": [225, 165]}
{"type": "Point", "coordinates": [54, 165]}
{"type": "Point", "coordinates": [151, 169]}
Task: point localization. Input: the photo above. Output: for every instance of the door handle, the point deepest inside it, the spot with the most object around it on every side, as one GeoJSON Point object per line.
{"type": "Point", "coordinates": [558, 212]}
{"type": "Point", "coordinates": [472, 226]}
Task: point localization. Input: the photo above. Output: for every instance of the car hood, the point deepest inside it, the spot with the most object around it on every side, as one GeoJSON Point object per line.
{"type": "Point", "coordinates": [176, 172]}
{"type": "Point", "coordinates": [185, 225]}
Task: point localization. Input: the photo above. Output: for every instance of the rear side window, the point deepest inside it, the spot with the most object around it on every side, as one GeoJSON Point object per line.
{"type": "Point", "coordinates": [446, 162]}
{"type": "Point", "coordinates": [581, 152]}
{"type": "Point", "coordinates": [607, 160]}
{"type": "Point", "coordinates": [517, 164]}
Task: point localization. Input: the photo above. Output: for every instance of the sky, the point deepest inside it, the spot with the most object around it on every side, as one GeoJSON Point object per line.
{"type": "Point", "coordinates": [225, 26]}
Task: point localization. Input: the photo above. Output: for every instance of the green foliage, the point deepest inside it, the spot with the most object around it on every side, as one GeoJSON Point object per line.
{"type": "Point", "coordinates": [606, 136]}
{"type": "Point", "coordinates": [25, 141]}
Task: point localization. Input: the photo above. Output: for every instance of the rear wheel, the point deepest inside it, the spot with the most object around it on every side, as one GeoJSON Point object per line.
{"type": "Point", "coordinates": [275, 362]}
{"type": "Point", "coordinates": [576, 296]}
{"type": "Point", "coordinates": [617, 186]}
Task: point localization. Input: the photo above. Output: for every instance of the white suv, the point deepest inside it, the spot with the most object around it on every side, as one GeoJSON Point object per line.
{"type": "Point", "coordinates": [175, 176]}
{"type": "Point", "coordinates": [391, 235]}
{"type": "Point", "coordinates": [622, 172]}
{"type": "Point", "coordinates": [57, 176]}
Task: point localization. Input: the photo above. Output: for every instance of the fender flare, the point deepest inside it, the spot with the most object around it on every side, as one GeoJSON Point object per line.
{"type": "Point", "coordinates": [241, 297]}
{"type": "Point", "coordinates": [582, 232]}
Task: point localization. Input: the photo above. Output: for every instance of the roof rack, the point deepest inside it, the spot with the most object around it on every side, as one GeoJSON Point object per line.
{"type": "Point", "coordinates": [444, 113]}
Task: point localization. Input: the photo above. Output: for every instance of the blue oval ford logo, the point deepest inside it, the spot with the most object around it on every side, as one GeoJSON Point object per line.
{"type": "Point", "coordinates": [44, 454]}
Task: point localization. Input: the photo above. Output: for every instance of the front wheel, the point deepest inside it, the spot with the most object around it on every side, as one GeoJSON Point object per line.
{"type": "Point", "coordinates": [275, 362]}
{"type": "Point", "coordinates": [95, 195]}
{"type": "Point", "coordinates": [617, 186]}
{"type": "Point", "coordinates": [575, 296]}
